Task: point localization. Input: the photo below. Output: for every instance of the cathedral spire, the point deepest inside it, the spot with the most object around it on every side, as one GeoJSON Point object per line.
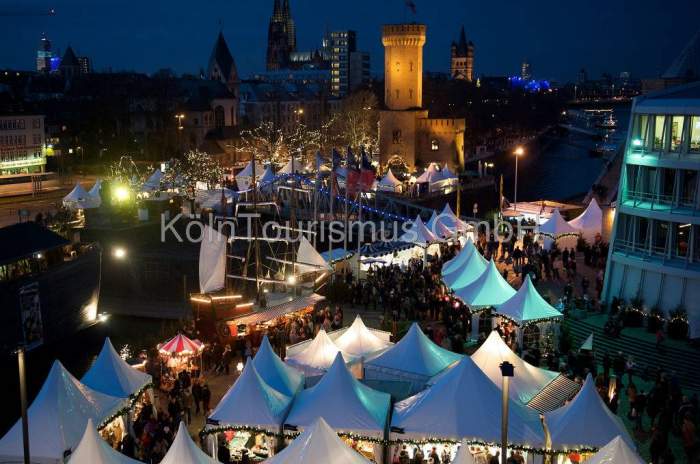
{"type": "Point", "coordinates": [462, 38]}
{"type": "Point", "coordinates": [277, 11]}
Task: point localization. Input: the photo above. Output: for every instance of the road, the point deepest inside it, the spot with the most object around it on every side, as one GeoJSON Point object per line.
{"type": "Point", "coordinates": [42, 203]}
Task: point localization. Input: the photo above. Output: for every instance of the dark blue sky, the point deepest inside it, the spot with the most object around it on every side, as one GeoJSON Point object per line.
{"type": "Point", "coordinates": [558, 36]}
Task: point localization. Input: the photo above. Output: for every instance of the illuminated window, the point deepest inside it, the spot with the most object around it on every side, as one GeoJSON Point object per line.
{"type": "Point", "coordinates": [695, 134]}
{"type": "Point", "coordinates": [676, 132]}
{"type": "Point", "coordinates": [396, 135]}
{"type": "Point", "coordinates": [659, 132]}
{"type": "Point", "coordinates": [434, 145]}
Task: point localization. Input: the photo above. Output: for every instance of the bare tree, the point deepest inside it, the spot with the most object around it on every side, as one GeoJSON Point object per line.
{"type": "Point", "coordinates": [265, 141]}
{"type": "Point", "coordinates": [356, 122]}
{"type": "Point", "coordinates": [194, 166]}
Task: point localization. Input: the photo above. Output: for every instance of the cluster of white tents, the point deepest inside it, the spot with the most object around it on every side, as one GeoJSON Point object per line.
{"type": "Point", "coordinates": [588, 225]}
{"type": "Point", "coordinates": [79, 198]}
{"type": "Point", "coordinates": [65, 408]}
{"type": "Point", "coordinates": [437, 179]}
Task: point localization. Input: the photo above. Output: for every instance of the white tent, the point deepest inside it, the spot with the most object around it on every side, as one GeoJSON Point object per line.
{"type": "Point", "coordinates": [450, 219]}
{"type": "Point", "coordinates": [587, 344]}
{"type": "Point", "coordinates": [266, 180]}
{"type": "Point", "coordinates": [431, 175]}
{"type": "Point", "coordinates": [185, 451]}
{"type": "Point", "coordinates": [212, 198]}
{"type": "Point", "coordinates": [251, 402]}
{"type": "Point", "coordinates": [585, 422]}
{"type": "Point", "coordinates": [615, 452]}
{"type": "Point", "coordinates": [489, 289]}
{"type": "Point", "coordinates": [245, 177]}
{"type": "Point", "coordinates": [212, 260]}
{"type": "Point", "coordinates": [438, 228]}
{"type": "Point", "coordinates": [94, 192]}
{"type": "Point", "coordinates": [78, 198]}
{"type": "Point", "coordinates": [57, 418]}
{"type": "Point", "coordinates": [527, 306]}
{"type": "Point", "coordinates": [92, 449]}
{"type": "Point", "coordinates": [389, 183]}
{"type": "Point", "coordinates": [153, 182]}
{"type": "Point", "coordinates": [415, 358]}
{"type": "Point", "coordinates": [287, 169]}
{"type": "Point", "coordinates": [528, 380]}
{"type": "Point", "coordinates": [283, 378]}
{"type": "Point", "coordinates": [344, 402]}
{"type": "Point", "coordinates": [459, 259]}
{"type": "Point", "coordinates": [590, 222]}
{"type": "Point", "coordinates": [418, 234]}
{"type": "Point", "coordinates": [111, 375]}
{"type": "Point", "coordinates": [464, 404]}
{"type": "Point", "coordinates": [359, 341]}
{"type": "Point", "coordinates": [464, 456]}
{"type": "Point", "coordinates": [555, 228]}
{"type": "Point", "coordinates": [318, 356]}
{"type": "Point", "coordinates": [318, 444]}
{"type": "Point", "coordinates": [469, 266]}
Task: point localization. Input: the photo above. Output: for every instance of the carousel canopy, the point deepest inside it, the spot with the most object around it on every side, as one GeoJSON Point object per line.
{"type": "Point", "coordinates": [185, 451]}
{"type": "Point", "coordinates": [389, 182]}
{"type": "Point", "coordinates": [57, 418]}
{"type": "Point", "coordinates": [78, 198]}
{"type": "Point", "coordinates": [111, 375]}
{"type": "Point", "coordinates": [489, 289]}
{"type": "Point", "coordinates": [343, 402]}
{"type": "Point", "coordinates": [464, 404]}
{"type": "Point", "coordinates": [418, 234]}
{"type": "Point", "coordinates": [181, 345]}
{"type": "Point", "coordinates": [415, 354]}
{"type": "Point", "coordinates": [464, 456]}
{"type": "Point", "coordinates": [92, 449]}
{"type": "Point", "coordinates": [617, 452]}
{"type": "Point", "coordinates": [556, 225]}
{"type": "Point", "coordinates": [317, 444]}
{"type": "Point", "coordinates": [527, 306]}
{"type": "Point", "coordinates": [528, 380]}
{"type": "Point", "coordinates": [318, 356]}
{"type": "Point", "coordinates": [283, 378]}
{"type": "Point", "coordinates": [431, 175]}
{"type": "Point", "coordinates": [251, 402]}
{"type": "Point", "coordinates": [469, 266]}
{"type": "Point", "coordinates": [585, 422]}
{"type": "Point", "coordinates": [590, 222]}
{"type": "Point", "coordinates": [359, 341]}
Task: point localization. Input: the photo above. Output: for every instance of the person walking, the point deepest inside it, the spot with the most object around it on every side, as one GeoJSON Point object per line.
{"type": "Point", "coordinates": [206, 398]}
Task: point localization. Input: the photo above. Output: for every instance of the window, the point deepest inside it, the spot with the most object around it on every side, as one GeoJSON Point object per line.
{"type": "Point", "coordinates": [687, 186]}
{"type": "Point", "coordinates": [695, 134]}
{"type": "Point", "coordinates": [659, 237]}
{"type": "Point", "coordinates": [676, 132]}
{"type": "Point", "coordinates": [641, 241]}
{"type": "Point", "coordinates": [410, 65]}
{"type": "Point", "coordinates": [696, 243]}
{"type": "Point", "coordinates": [434, 145]}
{"type": "Point", "coordinates": [680, 240]}
{"type": "Point", "coordinates": [623, 235]}
{"type": "Point", "coordinates": [668, 180]}
{"type": "Point", "coordinates": [36, 123]}
{"type": "Point", "coordinates": [659, 133]}
{"type": "Point", "coordinates": [410, 93]}
{"type": "Point", "coordinates": [640, 131]}
{"type": "Point", "coordinates": [396, 135]}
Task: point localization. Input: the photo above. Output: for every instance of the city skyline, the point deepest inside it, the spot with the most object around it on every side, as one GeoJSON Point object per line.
{"type": "Point", "coordinates": [556, 41]}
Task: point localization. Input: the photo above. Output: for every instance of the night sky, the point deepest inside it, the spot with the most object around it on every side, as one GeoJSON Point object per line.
{"type": "Point", "coordinates": [557, 36]}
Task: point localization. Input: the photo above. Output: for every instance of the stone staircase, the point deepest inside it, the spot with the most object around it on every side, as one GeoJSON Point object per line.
{"type": "Point", "coordinates": [683, 360]}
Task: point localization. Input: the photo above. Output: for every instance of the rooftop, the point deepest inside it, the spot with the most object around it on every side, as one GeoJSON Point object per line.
{"type": "Point", "coordinates": [27, 238]}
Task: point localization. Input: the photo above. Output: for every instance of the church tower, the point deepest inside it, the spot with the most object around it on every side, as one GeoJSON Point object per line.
{"type": "Point", "coordinates": [222, 68]}
{"type": "Point", "coordinates": [462, 54]}
{"type": "Point", "coordinates": [403, 65]}
{"type": "Point", "coordinates": [281, 36]}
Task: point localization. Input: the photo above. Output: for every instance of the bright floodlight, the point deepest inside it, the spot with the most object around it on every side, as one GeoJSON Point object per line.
{"type": "Point", "coordinates": [239, 367]}
{"type": "Point", "coordinates": [292, 279]}
{"type": "Point", "coordinates": [102, 317]}
{"type": "Point", "coordinates": [519, 151]}
{"type": "Point", "coordinates": [119, 253]}
{"type": "Point", "coordinates": [121, 193]}
{"type": "Point", "coordinates": [637, 142]}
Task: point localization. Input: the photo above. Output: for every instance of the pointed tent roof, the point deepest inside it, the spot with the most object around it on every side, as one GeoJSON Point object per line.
{"type": "Point", "coordinates": [471, 268]}
{"type": "Point", "coordinates": [448, 174]}
{"type": "Point", "coordinates": [418, 234]}
{"type": "Point", "coordinates": [489, 289]}
{"type": "Point", "coordinates": [248, 170]}
{"type": "Point", "coordinates": [221, 56]}
{"type": "Point", "coordinates": [344, 402]}
{"type": "Point", "coordinates": [556, 225]}
{"type": "Point", "coordinates": [457, 261]}
{"type": "Point", "coordinates": [451, 220]}
{"type": "Point", "coordinates": [464, 456]}
{"type": "Point", "coordinates": [78, 198]}
{"type": "Point", "coordinates": [318, 356]}
{"type": "Point", "coordinates": [251, 402]}
{"type": "Point", "coordinates": [315, 445]}
{"type": "Point", "coordinates": [617, 452]}
{"type": "Point", "coordinates": [267, 176]}
{"type": "Point", "coordinates": [185, 451]}
{"type": "Point", "coordinates": [527, 305]}
{"type": "Point", "coordinates": [590, 221]}
{"type": "Point", "coordinates": [389, 180]}
{"type": "Point", "coordinates": [181, 345]}
{"type": "Point", "coordinates": [528, 380]}
{"type": "Point", "coordinates": [463, 405]}
{"type": "Point", "coordinates": [283, 378]}
{"type": "Point", "coordinates": [438, 227]}
{"type": "Point", "coordinates": [587, 344]}
{"type": "Point", "coordinates": [287, 169]}
{"type": "Point", "coordinates": [111, 375]}
{"type": "Point", "coordinates": [92, 449]}
{"type": "Point", "coordinates": [58, 416]}
{"type": "Point", "coordinates": [415, 353]}
{"type": "Point", "coordinates": [431, 175]}
{"type": "Point", "coordinates": [308, 259]}
{"type": "Point", "coordinates": [94, 193]}
{"type": "Point", "coordinates": [358, 340]}
{"type": "Point", "coordinates": [570, 425]}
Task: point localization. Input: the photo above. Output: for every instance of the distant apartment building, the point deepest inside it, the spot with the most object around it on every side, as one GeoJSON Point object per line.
{"type": "Point", "coordinates": [349, 67]}
{"type": "Point", "coordinates": [22, 144]}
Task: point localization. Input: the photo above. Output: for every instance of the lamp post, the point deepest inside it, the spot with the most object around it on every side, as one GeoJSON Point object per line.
{"type": "Point", "coordinates": [519, 151]}
{"type": "Point", "coordinates": [507, 371]}
{"type": "Point", "coordinates": [23, 404]}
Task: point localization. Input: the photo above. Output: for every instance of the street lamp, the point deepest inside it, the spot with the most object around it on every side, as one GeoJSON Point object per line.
{"type": "Point", "coordinates": [507, 371]}
{"type": "Point", "coordinates": [519, 151]}
{"type": "Point", "coordinates": [179, 118]}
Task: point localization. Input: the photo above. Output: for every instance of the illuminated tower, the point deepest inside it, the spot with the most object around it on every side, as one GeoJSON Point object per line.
{"type": "Point", "coordinates": [462, 58]}
{"type": "Point", "coordinates": [403, 65]}
{"type": "Point", "coordinates": [43, 55]}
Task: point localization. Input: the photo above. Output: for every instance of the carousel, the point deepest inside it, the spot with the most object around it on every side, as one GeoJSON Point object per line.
{"type": "Point", "coordinates": [179, 354]}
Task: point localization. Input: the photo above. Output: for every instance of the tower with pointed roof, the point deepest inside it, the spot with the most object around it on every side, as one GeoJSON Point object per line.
{"type": "Point", "coordinates": [70, 66]}
{"type": "Point", "coordinates": [222, 68]}
{"type": "Point", "coordinates": [462, 54]}
{"type": "Point", "coordinates": [281, 36]}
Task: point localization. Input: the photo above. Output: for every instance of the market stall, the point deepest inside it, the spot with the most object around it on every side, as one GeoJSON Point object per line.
{"type": "Point", "coordinates": [275, 372]}
{"type": "Point", "coordinates": [318, 444]}
{"type": "Point", "coordinates": [79, 199]}
{"type": "Point", "coordinates": [317, 356]}
{"type": "Point", "coordinates": [490, 289]}
{"type": "Point", "coordinates": [389, 183]}
{"type": "Point", "coordinates": [92, 449]}
{"type": "Point", "coordinates": [185, 451]}
{"type": "Point", "coordinates": [358, 340]}
{"type": "Point", "coordinates": [180, 353]}
{"type": "Point", "coordinates": [464, 268]}
{"type": "Point", "coordinates": [463, 405]}
{"type": "Point", "coordinates": [418, 234]}
{"type": "Point", "coordinates": [413, 360]}
{"type": "Point", "coordinates": [244, 179]}
{"type": "Point", "coordinates": [590, 222]}
{"type": "Point", "coordinates": [438, 227]}
{"type": "Point", "coordinates": [58, 417]}
{"type": "Point", "coordinates": [351, 408]}
{"type": "Point", "coordinates": [585, 424]}
{"type": "Point", "coordinates": [617, 452]}
{"type": "Point", "coordinates": [249, 417]}
{"type": "Point", "coordinates": [557, 230]}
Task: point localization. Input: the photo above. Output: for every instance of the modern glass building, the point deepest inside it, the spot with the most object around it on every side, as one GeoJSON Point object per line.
{"type": "Point", "coordinates": [655, 245]}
